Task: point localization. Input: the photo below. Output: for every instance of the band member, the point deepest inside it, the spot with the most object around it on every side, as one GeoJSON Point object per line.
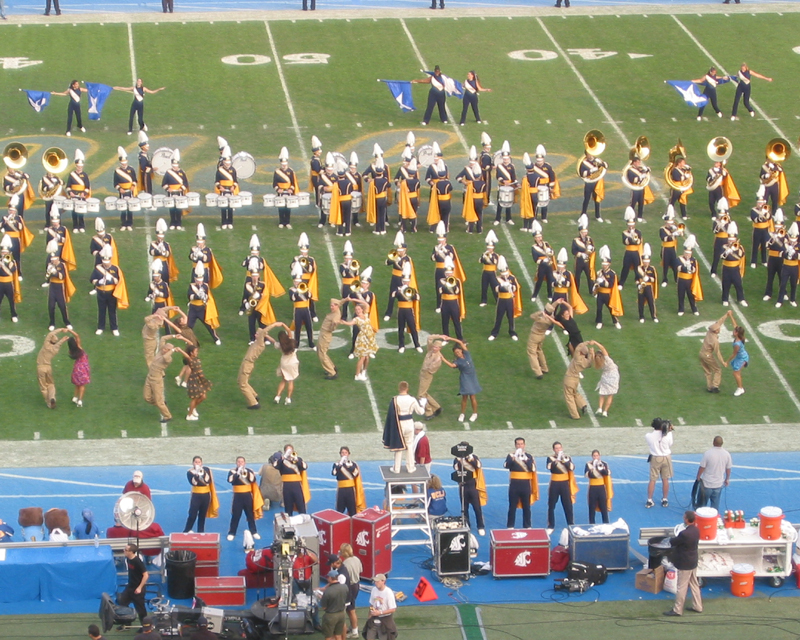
{"type": "Point", "coordinates": [9, 278]}
{"type": "Point", "coordinates": [202, 305]}
{"type": "Point", "coordinates": [593, 188]}
{"type": "Point", "coordinates": [719, 183]}
{"type": "Point", "coordinates": [507, 185]}
{"type": "Point", "coordinates": [720, 229]}
{"type": "Point", "coordinates": [441, 251]}
{"type": "Point", "coordinates": [226, 184]}
{"type": "Point", "coordinates": [475, 195]}
{"type": "Point", "coordinates": [378, 196]}
{"type": "Point", "coordinates": [308, 268]}
{"type": "Point", "coordinates": [523, 485]}
{"type": "Point", "coordinates": [200, 253]}
{"type": "Point", "coordinates": [775, 248]}
{"type": "Point", "coordinates": [637, 176]}
{"type": "Point", "coordinates": [315, 170]}
{"type": "Point", "coordinates": [689, 277]}
{"type": "Point", "coordinates": [158, 292]}
{"type": "Point", "coordinates": [543, 257]}
{"type": "Point", "coordinates": [59, 286]}
{"type": "Point", "coordinates": [125, 183]}
{"type": "Point", "coordinates": [408, 316]}
{"type": "Point", "coordinates": [680, 175]}
{"type": "Point", "coordinates": [408, 198]}
{"type": "Point", "coordinates": [669, 255]}
{"type": "Point", "coordinates": [600, 488]}
{"type": "Point", "coordinates": [606, 291]}
{"type": "Point", "coordinates": [452, 296]}
{"type": "Point", "coordinates": [246, 498]}
{"type": "Point", "coordinates": [564, 285]}
{"type": "Point", "coordinates": [100, 239]}
{"type": "Point", "coordinates": [256, 301]}
{"type": "Point", "coordinates": [545, 177]}
{"type": "Point", "coordinates": [761, 217]}
{"type": "Point", "coordinates": [109, 283]}
{"type": "Point", "coordinates": [145, 164]}
{"type": "Point", "coordinates": [358, 186]}
{"type": "Point", "coordinates": [49, 187]}
{"type": "Point", "coordinates": [327, 183]}
{"type": "Point", "coordinates": [13, 226]}
{"type": "Point", "coordinates": [584, 252]}
{"type": "Point", "coordinates": [486, 162]}
{"type": "Point", "coordinates": [527, 201]}
{"type": "Point", "coordinates": [509, 300]}
{"type": "Point", "coordinates": [204, 503]}
{"type": "Point", "coordinates": [633, 242]}
{"type": "Point", "coordinates": [285, 183]}
{"type": "Point", "coordinates": [471, 487]}
{"type": "Point", "coordinates": [79, 187]}
{"type": "Point", "coordinates": [160, 249]}
{"type": "Point", "coordinates": [646, 287]}
{"type": "Point", "coordinates": [137, 106]}
{"type": "Point", "coordinates": [341, 215]}
{"type": "Point", "coordinates": [743, 78]}
{"type": "Point", "coordinates": [733, 266]}
{"type": "Point", "coordinates": [58, 232]}
{"type": "Point", "coordinates": [295, 482]}
{"type": "Point", "coordinates": [789, 271]}
{"type": "Point", "coordinates": [367, 299]}
{"type": "Point", "coordinates": [396, 260]}
{"type": "Point", "coordinates": [398, 429]}
{"type": "Point", "coordinates": [436, 94]}
{"type": "Point", "coordinates": [73, 92]}
{"type": "Point", "coordinates": [773, 179]}
{"type": "Point", "coordinates": [562, 485]}
{"type": "Point", "coordinates": [350, 497]}
{"type": "Point", "coordinates": [489, 260]}
{"type": "Point", "coordinates": [472, 87]}
{"type": "Point", "coordinates": [348, 271]}
{"type": "Point", "coordinates": [300, 296]}
{"type": "Point", "coordinates": [175, 183]}
{"type": "Point", "coordinates": [709, 83]}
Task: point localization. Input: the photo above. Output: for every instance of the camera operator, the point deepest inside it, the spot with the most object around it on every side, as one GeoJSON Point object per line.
{"type": "Point", "coordinates": [660, 442]}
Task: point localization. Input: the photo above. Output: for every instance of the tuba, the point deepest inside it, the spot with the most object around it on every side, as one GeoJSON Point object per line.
{"type": "Point", "coordinates": [719, 149]}
{"type": "Point", "coordinates": [54, 161]}
{"type": "Point", "coordinates": [678, 151]}
{"type": "Point", "coordinates": [640, 150]}
{"type": "Point", "coordinates": [778, 150]}
{"type": "Point", "coordinates": [594, 143]}
{"type": "Point", "coordinates": [15, 155]}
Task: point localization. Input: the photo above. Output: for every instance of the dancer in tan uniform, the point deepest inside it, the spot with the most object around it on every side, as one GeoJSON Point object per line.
{"type": "Point", "coordinates": [326, 330]}
{"type": "Point", "coordinates": [44, 365]}
{"type": "Point", "coordinates": [433, 360]}
{"type": "Point", "coordinates": [710, 357]}
{"type": "Point", "coordinates": [543, 322]}
{"type": "Point", "coordinates": [154, 383]}
{"type": "Point", "coordinates": [581, 359]}
{"type": "Point", "coordinates": [248, 364]}
{"type": "Point", "coordinates": [152, 325]}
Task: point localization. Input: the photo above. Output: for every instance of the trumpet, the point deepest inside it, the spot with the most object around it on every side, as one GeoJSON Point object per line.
{"type": "Point", "coordinates": [356, 288]}
{"type": "Point", "coordinates": [355, 266]}
{"type": "Point", "coordinates": [409, 293]}
{"type": "Point", "coordinates": [450, 282]}
{"type": "Point", "coordinates": [680, 230]}
{"type": "Point", "coordinates": [302, 288]}
{"type": "Point", "coordinates": [392, 255]}
{"type": "Point", "coordinates": [733, 247]}
{"type": "Point", "coordinates": [779, 233]}
{"type": "Point", "coordinates": [8, 259]}
{"type": "Point", "coordinates": [303, 262]}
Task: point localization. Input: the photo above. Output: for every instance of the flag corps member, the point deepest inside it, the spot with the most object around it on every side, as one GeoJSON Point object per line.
{"type": "Point", "coordinates": [126, 185]}
{"type": "Point", "coordinates": [226, 183]}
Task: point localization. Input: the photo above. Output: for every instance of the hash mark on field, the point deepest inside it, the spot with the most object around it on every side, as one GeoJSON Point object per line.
{"type": "Point", "coordinates": [674, 119]}
{"type": "Point", "coordinates": [294, 430]}
{"type": "Point", "coordinates": [591, 17]}
{"type": "Point", "coordinates": [201, 126]}
{"type": "Point", "coordinates": [36, 435]}
{"type": "Point", "coordinates": [391, 124]}
{"type": "Point", "coordinates": [164, 432]}
{"type": "Point", "coordinates": [516, 121]}
{"type": "Point", "coordinates": [767, 420]}
{"type": "Point", "coordinates": [327, 126]}
{"type": "Point", "coordinates": [552, 424]}
{"type": "Point", "coordinates": [681, 421]}
{"type": "Point", "coordinates": [358, 124]}
{"type": "Point", "coordinates": [510, 425]}
{"type": "Point", "coordinates": [639, 422]}
{"type": "Point", "coordinates": [233, 126]}
{"type": "Point", "coordinates": [254, 228]}
{"type": "Point", "coordinates": [466, 425]}
{"type": "Point", "coordinates": [206, 431]}
{"type": "Point", "coordinates": [549, 121]}
{"type": "Point", "coordinates": [123, 434]}
{"type": "Point", "coordinates": [80, 435]}
{"type": "Point", "coordinates": [337, 428]}
{"type": "Point", "coordinates": [642, 119]}
{"type": "Point", "coordinates": [347, 19]}
{"type": "Point", "coordinates": [218, 228]}
{"type": "Point", "coordinates": [580, 121]}
{"type": "Point", "coordinates": [263, 126]}
{"type": "Point", "coordinates": [723, 420]}
{"type": "Point", "coordinates": [251, 431]}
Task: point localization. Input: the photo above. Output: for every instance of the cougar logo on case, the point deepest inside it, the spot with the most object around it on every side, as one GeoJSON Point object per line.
{"type": "Point", "coordinates": [362, 539]}
{"type": "Point", "coordinates": [518, 535]}
{"type": "Point", "coordinates": [457, 543]}
{"type": "Point", "coordinates": [523, 559]}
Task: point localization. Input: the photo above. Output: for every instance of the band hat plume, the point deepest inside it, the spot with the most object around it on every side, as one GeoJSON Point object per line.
{"type": "Point", "coordinates": [303, 242]}
{"type": "Point", "coordinates": [316, 144]}
{"type": "Point", "coordinates": [793, 230]}
{"type": "Point", "coordinates": [348, 248]}
{"type": "Point", "coordinates": [161, 227]}
{"type": "Point", "coordinates": [630, 215]}
{"type": "Point", "coordinates": [410, 139]}
{"type": "Point", "coordinates": [437, 151]}
{"type": "Point", "coordinates": [473, 153]}
{"type": "Point", "coordinates": [449, 265]}
{"type": "Point", "coordinates": [491, 238]}
{"type": "Point", "coordinates": [690, 244]}
{"type": "Point", "coordinates": [199, 271]}
{"type": "Point", "coordinates": [412, 165]}
{"type": "Point", "coordinates": [52, 248]}
{"type": "Point", "coordinates": [670, 214]}
{"type": "Point", "coordinates": [283, 156]}
{"type": "Point", "coordinates": [400, 240]}
{"type": "Point", "coordinates": [156, 266]}
{"type": "Point", "coordinates": [779, 217]}
{"type": "Point", "coordinates": [541, 152]}
{"type": "Point", "coordinates": [536, 228]}
{"type": "Point", "coordinates": [733, 230]}
{"type": "Point", "coordinates": [441, 230]}
{"type": "Point", "coordinates": [297, 272]}
{"type": "Point", "coordinates": [13, 203]}
{"type": "Point", "coordinates": [502, 265]}
{"type": "Point", "coordinates": [122, 154]}
{"type": "Point", "coordinates": [201, 231]}
{"type": "Point", "coordinates": [79, 157]}
{"type": "Point", "coordinates": [329, 160]}
{"type": "Point", "coordinates": [562, 256]}
{"type": "Point", "coordinates": [761, 193]}
{"type": "Point", "coordinates": [605, 254]}
{"type": "Point", "coordinates": [646, 251]}
{"type": "Point", "coordinates": [176, 156]}
{"type": "Point", "coordinates": [99, 225]}
{"type": "Point", "coordinates": [505, 150]}
{"type": "Point", "coordinates": [406, 272]}
{"type": "Point", "coordinates": [526, 160]}
{"type": "Point", "coordinates": [377, 152]}
{"type": "Point", "coordinates": [253, 266]}
{"type": "Point", "coordinates": [221, 142]}
{"type": "Point", "coordinates": [583, 222]}
{"type": "Point", "coordinates": [353, 159]}
{"type": "Point", "coordinates": [485, 139]}
{"type": "Point", "coordinates": [143, 139]}
{"type": "Point", "coordinates": [255, 243]}
{"type": "Point", "coordinates": [55, 213]}
{"type": "Point", "coordinates": [722, 205]}
{"type": "Point", "coordinates": [106, 252]}
{"type": "Point", "coordinates": [5, 243]}
{"type": "Point", "coordinates": [366, 275]}
{"type": "Point", "coordinates": [225, 153]}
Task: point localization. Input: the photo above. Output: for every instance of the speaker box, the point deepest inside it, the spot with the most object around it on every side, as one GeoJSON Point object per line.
{"type": "Point", "coordinates": [451, 550]}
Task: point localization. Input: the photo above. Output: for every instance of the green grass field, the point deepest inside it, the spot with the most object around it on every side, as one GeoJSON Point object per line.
{"type": "Point", "coordinates": [553, 102]}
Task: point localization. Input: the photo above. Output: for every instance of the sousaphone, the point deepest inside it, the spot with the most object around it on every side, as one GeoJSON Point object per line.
{"type": "Point", "coordinates": [675, 154]}
{"type": "Point", "coordinates": [594, 143]}
{"type": "Point", "coordinates": [640, 150]}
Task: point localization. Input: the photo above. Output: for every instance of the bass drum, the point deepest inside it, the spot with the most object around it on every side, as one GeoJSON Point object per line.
{"type": "Point", "coordinates": [162, 160]}
{"type": "Point", "coordinates": [425, 156]}
{"type": "Point", "coordinates": [245, 165]}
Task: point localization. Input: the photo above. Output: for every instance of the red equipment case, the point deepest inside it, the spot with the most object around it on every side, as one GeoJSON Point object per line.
{"type": "Point", "coordinates": [227, 592]}
{"type": "Point", "coordinates": [205, 545]}
{"type": "Point", "coordinates": [372, 541]}
{"type": "Point", "coordinates": [334, 530]}
{"type": "Point", "coordinates": [520, 552]}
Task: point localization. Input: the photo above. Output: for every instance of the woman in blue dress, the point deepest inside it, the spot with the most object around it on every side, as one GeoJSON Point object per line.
{"type": "Point", "coordinates": [739, 358]}
{"type": "Point", "coordinates": [468, 379]}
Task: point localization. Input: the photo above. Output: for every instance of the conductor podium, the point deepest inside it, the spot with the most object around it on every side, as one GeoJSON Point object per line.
{"type": "Point", "coordinates": [407, 499]}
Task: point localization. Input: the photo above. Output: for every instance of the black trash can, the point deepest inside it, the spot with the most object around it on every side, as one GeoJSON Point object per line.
{"type": "Point", "coordinates": [180, 573]}
{"type": "Point", "coordinates": [657, 548]}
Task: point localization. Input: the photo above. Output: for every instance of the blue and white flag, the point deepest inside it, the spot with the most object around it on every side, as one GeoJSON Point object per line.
{"type": "Point", "coordinates": [689, 92]}
{"type": "Point", "coordinates": [451, 86]}
{"type": "Point", "coordinates": [38, 100]}
{"type": "Point", "coordinates": [98, 93]}
{"type": "Point", "coordinates": [401, 91]}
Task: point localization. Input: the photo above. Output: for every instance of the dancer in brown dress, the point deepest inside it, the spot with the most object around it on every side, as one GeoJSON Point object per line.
{"type": "Point", "coordinates": [197, 385]}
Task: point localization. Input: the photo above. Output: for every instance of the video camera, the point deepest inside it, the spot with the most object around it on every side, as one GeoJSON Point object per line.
{"type": "Point", "coordinates": [663, 424]}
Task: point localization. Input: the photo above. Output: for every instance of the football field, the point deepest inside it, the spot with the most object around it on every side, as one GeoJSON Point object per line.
{"type": "Point", "coordinates": [264, 84]}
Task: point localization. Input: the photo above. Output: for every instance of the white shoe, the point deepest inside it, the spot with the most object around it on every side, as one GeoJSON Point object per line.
{"type": "Point", "coordinates": [719, 114]}
{"type": "Point", "coordinates": [697, 313]}
{"type": "Point", "coordinates": [256, 536]}
{"type": "Point", "coordinates": [680, 313]}
{"type": "Point", "coordinates": [184, 384]}
{"type": "Point", "coordinates": [510, 223]}
{"type": "Point", "coordinates": [287, 401]}
{"type": "Point", "coordinates": [699, 118]}
{"type": "Point", "coordinates": [460, 417]}
{"type": "Point", "coordinates": [387, 318]}
{"type": "Point", "coordinates": [351, 356]}
{"type": "Point", "coordinates": [655, 320]}
{"type": "Point", "coordinates": [641, 320]}
{"type": "Point", "coordinates": [481, 532]}
{"type": "Point", "coordinates": [793, 303]}
{"type": "Point", "coordinates": [619, 286]}
{"type": "Point", "coordinates": [515, 338]}
{"type": "Point", "coordinates": [69, 134]}
{"type": "Point", "coordinates": [192, 418]}
{"type": "Point", "coordinates": [714, 275]}
{"type": "Point", "coordinates": [598, 412]}
{"type": "Point", "coordinates": [230, 538]}
{"type": "Point", "coordinates": [280, 226]}
{"type": "Point", "coordinates": [320, 226]}
{"type": "Point", "coordinates": [51, 328]}
{"type": "Point", "coordinates": [599, 325]}
{"type": "Point", "coordinates": [277, 399]}
{"type": "Point", "coordinates": [218, 342]}
{"type": "Point", "coordinates": [617, 325]}
{"type": "Point", "coordinates": [733, 118]}
{"type": "Point", "coordinates": [439, 310]}
{"type": "Point", "coordinates": [75, 400]}
{"type": "Point", "coordinates": [419, 349]}
{"type": "Point", "coordinates": [496, 223]}
{"type": "Point", "coordinates": [79, 403]}
{"type": "Point", "coordinates": [765, 298]}
{"type": "Point", "coordinates": [15, 319]}
{"type": "Point", "coordinates": [605, 414]}
{"type": "Point", "coordinates": [744, 303]}
{"type": "Point", "coordinates": [664, 284]}
{"type": "Point", "coordinates": [491, 338]}
{"type": "Point", "coordinates": [473, 417]}
{"type": "Point", "coordinates": [725, 304]}
{"type": "Point", "coordinates": [115, 332]}
{"type": "Point", "coordinates": [738, 391]}
{"type": "Point", "coordinates": [99, 332]}
{"type": "Point", "coordinates": [752, 265]}
{"type": "Point", "coordinates": [69, 326]}
{"type": "Point", "coordinates": [778, 305]}
{"type": "Point", "coordinates": [178, 381]}
{"type": "Point", "coordinates": [550, 531]}
{"type": "Point", "coordinates": [83, 129]}
{"type": "Point", "coordinates": [195, 414]}
{"type": "Point", "coordinates": [288, 226]}
{"type": "Point", "coordinates": [401, 350]}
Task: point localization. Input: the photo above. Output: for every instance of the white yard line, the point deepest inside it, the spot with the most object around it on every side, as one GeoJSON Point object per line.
{"type": "Point", "coordinates": [517, 255]}
{"type": "Point", "coordinates": [736, 309]}
{"type": "Point", "coordinates": [130, 50]}
{"type": "Point", "coordinates": [331, 253]}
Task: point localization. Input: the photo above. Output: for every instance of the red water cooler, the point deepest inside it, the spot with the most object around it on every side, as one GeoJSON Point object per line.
{"type": "Point", "coordinates": [372, 541]}
{"type": "Point", "coordinates": [334, 530]}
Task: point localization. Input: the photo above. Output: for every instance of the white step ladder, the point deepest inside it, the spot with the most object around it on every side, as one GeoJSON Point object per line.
{"type": "Point", "coordinates": [407, 500]}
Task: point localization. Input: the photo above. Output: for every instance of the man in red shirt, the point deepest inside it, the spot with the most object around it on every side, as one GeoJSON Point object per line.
{"type": "Point", "coordinates": [422, 447]}
{"type": "Point", "coordinates": [137, 484]}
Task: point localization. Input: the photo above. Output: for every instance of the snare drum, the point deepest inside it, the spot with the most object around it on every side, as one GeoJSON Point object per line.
{"type": "Point", "coordinates": [222, 202]}
{"type": "Point", "coordinates": [247, 198]}
{"type": "Point", "coordinates": [211, 199]}
{"type": "Point", "coordinates": [292, 202]}
{"type": "Point", "coordinates": [505, 197]}
{"type": "Point", "coordinates": [194, 199]}
{"type": "Point", "coordinates": [59, 202]}
{"type": "Point", "coordinates": [280, 201]}
{"type": "Point", "coordinates": [68, 204]}
{"type": "Point", "coordinates": [326, 202]}
{"type": "Point", "coordinates": [146, 200]}
{"type": "Point", "coordinates": [544, 195]}
{"type": "Point", "coordinates": [234, 202]}
{"type": "Point", "coordinates": [158, 201]}
{"type": "Point", "coordinates": [181, 202]}
{"type": "Point", "coordinates": [122, 204]}
{"type": "Point", "coordinates": [169, 202]}
{"type": "Point", "coordinates": [269, 199]}
{"type": "Point", "coordinates": [93, 204]}
{"type": "Point", "coordinates": [80, 206]}
{"type": "Point", "coordinates": [355, 201]}
{"type": "Point", "coordinates": [305, 198]}
{"type": "Point", "coordinates": [134, 204]}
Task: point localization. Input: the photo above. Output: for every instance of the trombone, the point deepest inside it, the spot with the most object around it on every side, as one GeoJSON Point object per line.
{"type": "Point", "coordinates": [594, 143]}
{"type": "Point", "coordinates": [355, 266]}
{"type": "Point", "coordinates": [640, 150]}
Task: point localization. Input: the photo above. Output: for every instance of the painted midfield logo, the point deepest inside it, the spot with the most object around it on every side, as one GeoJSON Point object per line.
{"type": "Point", "coordinates": [18, 63]}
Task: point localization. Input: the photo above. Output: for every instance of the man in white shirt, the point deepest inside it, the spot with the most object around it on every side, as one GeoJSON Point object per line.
{"type": "Point", "coordinates": [382, 605]}
{"type": "Point", "coordinates": [398, 430]}
{"type": "Point", "coordinates": [715, 473]}
{"type": "Point", "coordinates": [659, 440]}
